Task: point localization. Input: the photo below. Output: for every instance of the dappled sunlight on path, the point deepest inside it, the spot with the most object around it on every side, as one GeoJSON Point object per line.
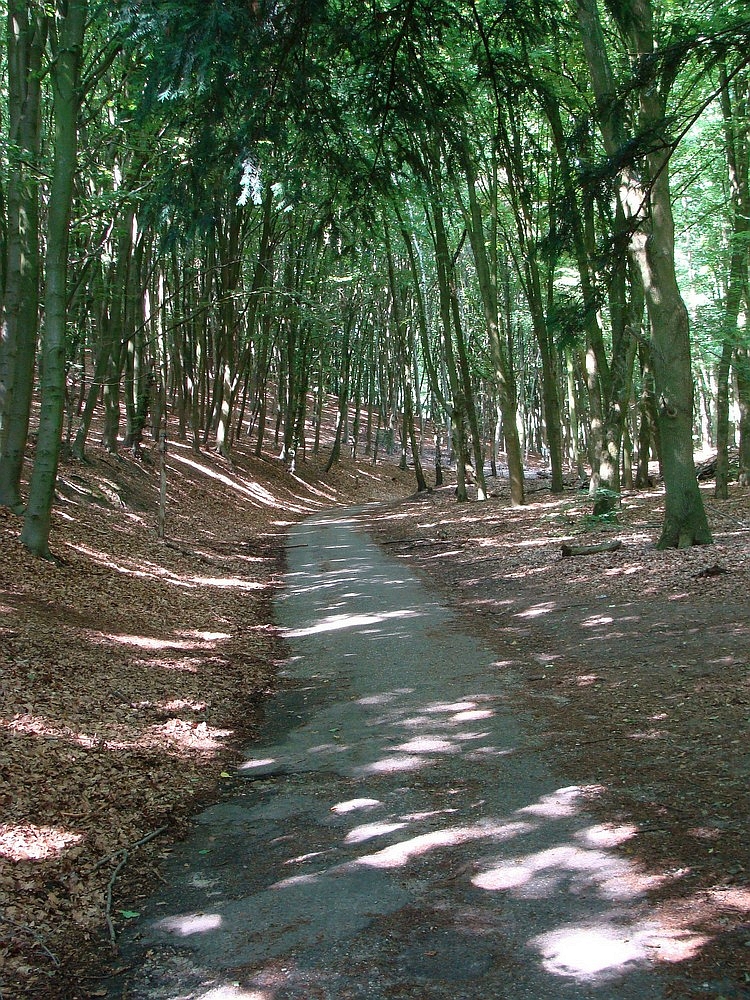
{"type": "Point", "coordinates": [397, 832]}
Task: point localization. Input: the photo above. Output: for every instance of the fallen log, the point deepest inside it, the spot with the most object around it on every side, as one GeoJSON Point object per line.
{"type": "Point", "coordinates": [589, 550]}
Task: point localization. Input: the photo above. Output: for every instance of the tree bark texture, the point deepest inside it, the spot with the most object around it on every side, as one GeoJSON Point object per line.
{"type": "Point", "coordinates": [26, 36]}
{"type": "Point", "coordinates": [645, 197]}
{"type": "Point", "coordinates": [65, 73]}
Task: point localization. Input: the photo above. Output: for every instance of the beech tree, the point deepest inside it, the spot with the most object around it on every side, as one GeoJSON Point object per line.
{"type": "Point", "coordinates": [27, 29]}
{"type": "Point", "coordinates": [67, 34]}
{"type": "Point", "coordinates": [401, 204]}
{"type": "Point", "coordinates": [644, 194]}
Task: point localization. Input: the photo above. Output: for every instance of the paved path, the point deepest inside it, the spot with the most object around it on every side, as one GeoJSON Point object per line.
{"type": "Point", "coordinates": [397, 835]}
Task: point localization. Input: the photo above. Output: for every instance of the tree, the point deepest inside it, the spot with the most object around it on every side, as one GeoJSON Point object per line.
{"type": "Point", "coordinates": [67, 50]}
{"type": "Point", "coordinates": [643, 190]}
{"type": "Point", "coordinates": [27, 28]}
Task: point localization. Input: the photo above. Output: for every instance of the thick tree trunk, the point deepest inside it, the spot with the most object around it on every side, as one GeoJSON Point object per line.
{"type": "Point", "coordinates": [65, 71]}
{"type": "Point", "coordinates": [648, 207]}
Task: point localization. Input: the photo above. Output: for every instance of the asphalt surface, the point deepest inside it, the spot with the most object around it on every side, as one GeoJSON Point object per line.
{"type": "Point", "coordinates": [396, 833]}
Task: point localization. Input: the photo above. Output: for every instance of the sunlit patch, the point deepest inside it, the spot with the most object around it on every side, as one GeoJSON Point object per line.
{"type": "Point", "coordinates": [252, 490]}
{"type": "Point", "coordinates": [394, 765]}
{"type": "Point", "coordinates": [674, 944]}
{"type": "Point", "coordinates": [607, 834]}
{"type": "Point", "coordinates": [234, 993]}
{"type": "Point", "coordinates": [342, 808]}
{"type": "Point", "coordinates": [456, 706]}
{"type": "Point", "coordinates": [191, 735]}
{"type": "Point", "coordinates": [537, 610]}
{"type": "Point", "coordinates": [426, 744]}
{"type": "Point", "coordinates": [384, 698]}
{"type": "Point", "coordinates": [587, 952]}
{"type": "Point", "coordinates": [336, 622]}
{"type": "Point", "coordinates": [224, 582]}
{"type": "Point", "coordinates": [597, 620]}
{"type": "Point", "coordinates": [151, 571]}
{"type": "Point", "coordinates": [294, 880]}
{"type": "Point", "coordinates": [192, 923]}
{"type": "Point", "coordinates": [27, 842]}
{"type": "Point", "coordinates": [586, 680]}
{"type": "Point", "coordinates": [732, 896]}
{"type": "Point", "coordinates": [400, 854]}
{"type": "Point", "coordinates": [173, 735]}
{"type": "Point", "coordinates": [249, 765]}
{"type": "Point", "coordinates": [302, 858]}
{"type": "Point", "coordinates": [473, 714]}
{"type": "Point", "coordinates": [539, 875]}
{"type": "Point", "coordinates": [563, 802]}
{"type": "Point", "coordinates": [178, 704]}
{"type": "Point", "coordinates": [368, 831]}
{"type": "Point", "coordinates": [419, 817]}
{"type": "Point", "coordinates": [148, 642]}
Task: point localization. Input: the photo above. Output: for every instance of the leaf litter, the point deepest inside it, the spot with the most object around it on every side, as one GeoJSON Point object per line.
{"type": "Point", "coordinates": [133, 672]}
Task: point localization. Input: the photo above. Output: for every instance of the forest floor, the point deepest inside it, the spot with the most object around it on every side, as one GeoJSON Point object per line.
{"type": "Point", "coordinates": [134, 670]}
{"type": "Point", "coordinates": [634, 663]}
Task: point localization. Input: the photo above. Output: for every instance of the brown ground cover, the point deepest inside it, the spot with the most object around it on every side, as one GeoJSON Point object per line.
{"type": "Point", "coordinates": [134, 671]}
{"type": "Point", "coordinates": [634, 666]}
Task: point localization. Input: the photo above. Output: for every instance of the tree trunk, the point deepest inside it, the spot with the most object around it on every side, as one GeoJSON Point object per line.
{"type": "Point", "coordinates": [735, 138]}
{"type": "Point", "coordinates": [648, 207]}
{"type": "Point", "coordinates": [742, 374]}
{"type": "Point", "coordinates": [65, 72]}
{"type": "Point", "coordinates": [26, 36]}
{"type": "Point", "coordinates": [343, 409]}
{"type": "Point", "coordinates": [504, 377]}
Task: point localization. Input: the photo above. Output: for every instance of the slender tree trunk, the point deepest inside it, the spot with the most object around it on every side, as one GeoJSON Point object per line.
{"type": "Point", "coordinates": [721, 489]}
{"type": "Point", "coordinates": [404, 358]}
{"type": "Point", "coordinates": [104, 350]}
{"type": "Point", "coordinates": [343, 408]}
{"type": "Point", "coordinates": [742, 375]}
{"type": "Point", "coordinates": [65, 73]}
{"type": "Point", "coordinates": [26, 37]}
{"type": "Point", "coordinates": [736, 143]}
{"type": "Point", "coordinates": [504, 377]}
{"type": "Point", "coordinates": [458, 413]}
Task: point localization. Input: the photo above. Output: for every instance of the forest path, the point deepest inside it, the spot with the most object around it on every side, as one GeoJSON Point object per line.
{"type": "Point", "coordinates": [395, 834]}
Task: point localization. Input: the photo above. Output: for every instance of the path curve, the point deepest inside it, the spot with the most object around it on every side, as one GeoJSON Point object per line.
{"type": "Point", "coordinates": [394, 834]}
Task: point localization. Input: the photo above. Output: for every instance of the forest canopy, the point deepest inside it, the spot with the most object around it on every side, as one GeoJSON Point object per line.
{"type": "Point", "coordinates": [526, 225]}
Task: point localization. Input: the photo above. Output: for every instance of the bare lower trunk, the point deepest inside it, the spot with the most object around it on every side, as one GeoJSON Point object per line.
{"type": "Point", "coordinates": [646, 200]}
{"type": "Point", "coordinates": [65, 74]}
{"type": "Point", "coordinates": [20, 306]}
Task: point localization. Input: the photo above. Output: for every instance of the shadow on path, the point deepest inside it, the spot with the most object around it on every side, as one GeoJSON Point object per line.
{"type": "Point", "coordinates": [395, 834]}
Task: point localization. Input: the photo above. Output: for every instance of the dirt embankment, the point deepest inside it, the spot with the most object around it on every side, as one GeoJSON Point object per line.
{"type": "Point", "coordinates": [635, 664]}
{"type": "Point", "coordinates": [132, 672]}
{"type": "Point", "coordinates": [134, 669]}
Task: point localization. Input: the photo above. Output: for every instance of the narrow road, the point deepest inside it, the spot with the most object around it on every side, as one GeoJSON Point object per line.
{"type": "Point", "coordinates": [395, 834]}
